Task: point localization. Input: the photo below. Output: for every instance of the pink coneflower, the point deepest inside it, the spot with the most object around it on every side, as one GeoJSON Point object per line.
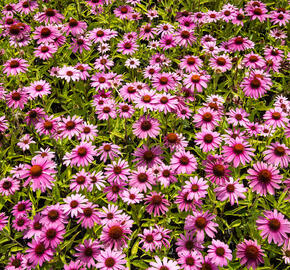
{"type": "Point", "coordinates": [196, 81]}
{"type": "Point", "coordinates": [201, 223]}
{"type": "Point", "coordinates": [259, 13]}
{"type": "Point", "coordinates": [238, 151]}
{"type": "Point", "coordinates": [117, 172]}
{"type": "Point", "coordinates": [184, 37]}
{"type": "Point", "coordinates": [88, 217]}
{"type": "Point", "coordinates": [145, 99]}
{"type": "Point", "coordinates": [188, 242]}
{"type": "Point", "coordinates": [286, 252]}
{"type": "Point", "coordinates": [103, 63]}
{"type": "Point", "coordinates": [132, 63]}
{"type": "Point", "coordinates": [142, 179]}
{"type": "Point", "coordinates": [256, 85]}
{"type": "Point", "coordinates": [253, 129]}
{"type": "Point", "coordinates": [166, 103]}
{"type": "Point", "coordinates": [164, 29]}
{"type": "Point", "coordinates": [176, 142]}
{"type": "Point", "coordinates": [125, 110]}
{"type": "Point", "coordinates": [149, 157]}
{"type": "Point", "coordinates": [88, 252]}
{"type": "Point", "coordinates": [81, 155]}
{"type": "Point", "coordinates": [146, 127]}
{"type": "Point", "coordinates": [40, 173]}
{"type": "Point", "coordinates": [112, 212]}
{"type": "Point", "coordinates": [191, 63]}
{"type": "Point", "coordinates": [280, 16]}
{"type": "Point", "coordinates": [111, 260]}
{"type": "Point", "coordinates": [83, 70]}
{"type": "Point", "coordinates": [183, 203]}
{"type": "Point", "coordinates": [163, 82]}
{"type": "Point", "coordinates": [123, 12]}
{"type": "Point", "coordinates": [79, 181]}
{"type": "Point", "coordinates": [17, 98]}
{"type": "Point", "coordinates": [219, 252]}
{"type": "Point", "coordinates": [183, 162]}
{"type": "Point", "coordinates": [274, 226]}
{"type": "Point", "coordinates": [37, 253]}
{"type": "Point", "coordinates": [277, 154]}
{"type": "Point", "coordinates": [15, 262]}
{"type": "Point", "coordinates": [196, 187]}
{"type": "Point", "coordinates": [53, 214]}
{"type": "Point", "coordinates": [80, 44]}
{"type": "Point", "coordinates": [127, 47]}
{"type": "Point", "coordinates": [108, 150]}
{"type": "Point", "coordinates": [3, 220]}
{"type": "Point", "coordinates": [75, 27]}
{"type": "Point", "coordinates": [21, 208]}
{"type": "Point", "coordinates": [96, 180]}
{"type": "Point", "coordinates": [102, 35]}
{"type": "Point", "coordinates": [38, 89]}
{"type": "Point", "coordinates": [3, 124]}
{"type": "Point", "coordinates": [147, 32]}
{"type": "Point", "coordinates": [101, 80]}
{"type": "Point", "coordinates": [212, 16]}
{"type": "Point", "coordinates": [45, 52]}
{"type": "Point", "coordinates": [9, 9]}
{"type": "Point", "coordinates": [220, 63]}
{"type": "Point", "coordinates": [74, 265]}
{"type": "Point", "coordinates": [25, 142]}
{"type": "Point", "coordinates": [276, 118]}
{"type": "Point", "coordinates": [208, 140]}
{"type": "Point", "coordinates": [132, 196]}
{"type": "Point", "coordinates": [74, 204]}
{"type": "Point", "coordinates": [167, 42]}
{"type": "Point", "coordinates": [210, 48]}
{"type": "Point", "coordinates": [46, 34]}
{"type": "Point", "coordinates": [69, 73]}
{"type": "Point", "coordinates": [34, 116]}
{"type": "Point", "coordinates": [70, 126]}
{"type": "Point", "coordinates": [8, 186]}
{"type": "Point", "coordinates": [107, 110]}
{"type": "Point", "coordinates": [15, 66]}
{"type": "Point", "coordinates": [231, 190]}
{"type": "Point", "coordinates": [115, 234]}
{"type": "Point", "coordinates": [273, 54]}
{"type": "Point", "coordinates": [253, 61]}
{"type": "Point", "coordinates": [35, 228]}
{"type": "Point", "coordinates": [240, 44]}
{"type": "Point", "coordinates": [114, 190]}
{"type": "Point", "coordinates": [165, 264]}
{"type": "Point", "coordinates": [156, 203]}
{"type": "Point", "coordinates": [21, 223]}
{"type": "Point", "coordinates": [264, 178]}
{"type": "Point", "coordinates": [166, 175]}
{"type": "Point", "coordinates": [150, 239]}
{"type": "Point", "coordinates": [52, 235]}
{"type": "Point", "coordinates": [49, 16]}
{"type": "Point", "coordinates": [206, 118]}
{"type": "Point", "coordinates": [190, 260]}
{"type": "Point", "coordinates": [250, 253]}
{"type": "Point", "coordinates": [237, 116]}
{"type": "Point", "coordinates": [47, 126]}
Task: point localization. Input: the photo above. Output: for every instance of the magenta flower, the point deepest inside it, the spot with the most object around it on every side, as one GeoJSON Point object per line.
{"type": "Point", "coordinates": [196, 187]}
{"type": "Point", "coordinates": [238, 151]}
{"type": "Point", "coordinates": [146, 127]}
{"type": "Point", "coordinates": [88, 252]}
{"type": "Point", "coordinates": [117, 172]}
{"type": "Point", "coordinates": [15, 66]}
{"type": "Point", "coordinates": [250, 253]}
{"type": "Point", "coordinates": [264, 178]}
{"type": "Point", "coordinates": [201, 223]}
{"type": "Point", "coordinates": [165, 263]}
{"type": "Point", "coordinates": [37, 253]}
{"type": "Point", "coordinates": [111, 259]}
{"type": "Point", "coordinates": [219, 252]}
{"type": "Point", "coordinates": [183, 162]}
{"type": "Point", "coordinates": [274, 226]}
{"type": "Point", "coordinates": [156, 203]}
{"type": "Point", "coordinates": [277, 154]}
{"type": "Point", "coordinates": [88, 217]}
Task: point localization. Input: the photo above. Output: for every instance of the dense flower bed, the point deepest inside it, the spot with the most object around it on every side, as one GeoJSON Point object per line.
{"type": "Point", "coordinates": [144, 135]}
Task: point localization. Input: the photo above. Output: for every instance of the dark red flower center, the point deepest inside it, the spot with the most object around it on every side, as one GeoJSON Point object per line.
{"type": "Point", "coordinates": [149, 238]}
{"type": "Point", "coordinates": [80, 179]}
{"type": "Point", "coordinates": [258, 11]}
{"type": "Point", "coordinates": [239, 40]}
{"type": "Point", "coordinates": [16, 96]}
{"type": "Point", "coordinates": [36, 170]}
{"type": "Point", "coordinates": [82, 151]}
{"type": "Point", "coordinates": [110, 262]}
{"type": "Point", "coordinates": [146, 125]}
{"type": "Point", "coordinates": [255, 83]}
{"type": "Point", "coordinates": [252, 252]}
{"type": "Point", "coordinates": [116, 232]}
{"type": "Point", "coordinates": [166, 173]}
{"type": "Point", "coordinates": [74, 204]}
{"type": "Point", "coordinates": [218, 170]}
{"type": "Point", "coordinates": [53, 215]}
{"type": "Point", "coordinates": [132, 196]}
{"type": "Point", "coordinates": [184, 160]}
{"type": "Point", "coordinates": [276, 115]}
{"type": "Point", "coordinates": [265, 176]}
{"type": "Point", "coordinates": [156, 199]}
{"type": "Point", "coordinates": [125, 108]}
{"type": "Point", "coordinates": [189, 245]}
{"type": "Point", "coordinates": [37, 226]}
{"type": "Point", "coordinates": [20, 222]}
{"type": "Point", "coordinates": [49, 12]}
{"type": "Point", "coordinates": [73, 23]}
{"type": "Point", "coordinates": [88, 251]}
{"type": "Point", "coordinates": [185, 34]}
{"type": "Point", "coordinates": [16, 263]}
{"type": "Point", "coordinates": [51, 233]}
{"type": "Point", "coordinates": [194, 188]}
{"type": "Point", "coordinates": [115, 189]}
{"type": "Point", "coordinates": [195, 78]}
{"type": "Point", "coordinates": [86, 130]}
{"type": "Point", "coordinates": [39, 249]}
{"type": "Point", "coordinates": [127, 45]}
{"type": "Point", "coordinates": [124, 10]}
{"type": "Point", "coordinates": [117, 170]}
{"type": "Point", "coordinates": [172, 138]}
{"type": "Point", "coordinates": [14, 64]}
{"type": "Point", "coordinates": [21, 207]}
{"type": "Point", "coordinates": [45, 32]}
{"type": "Point", "coordinates": [238, 149]}
{"type": "Point", "coordinates": [220, 251]}
{"type": "Point", "coordinates": [146, 98]}
{"type": "Point", "coordinates": [142, 177]}
{"type": "Point", "coordinates": [274, 224]}
{"type": "Point", "coordinates": [253, 58]}
{"type": "Point", "coordinates": [88, 212]}
{"type": "Point", "coordinates": [70, 125]}
{"type": "Point", "coordinates": [200, 223]}
{"type": "Point", "coordinates": [100, 33]}
{"type": "Point", "coordinates": [14, 30]}
{"type": "Point", "coordinates": [221, 61]}
{"type": "Point", "coordinates": [189, 261]}
{"type": "Point", "coordinates": [208, 138]}
{"type": "Point", "coordinates": [230, 188]}
{"type": "Point", "coordinates": [163, 80]}
{"type": "Point", "coordinates": [47, 125]}
{"type": "Point", "coordinates": [148, 155]}
{"type": "Point", "coordinates": [279, 151]}
{"type": "Point", "coordinates": [207, 117]}
{"type": "Point", "coordinates": [163, 100]}
{"type": "Point", "coordinates": [240, 17]}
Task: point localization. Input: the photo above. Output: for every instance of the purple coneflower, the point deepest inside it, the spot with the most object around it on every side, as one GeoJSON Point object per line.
{"type": "Point", "coordinates": [277, 154]}
{"type": "Point", "coordinates": [219, 252]}
{"type": "Point", "coordinates": [156, 203]}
